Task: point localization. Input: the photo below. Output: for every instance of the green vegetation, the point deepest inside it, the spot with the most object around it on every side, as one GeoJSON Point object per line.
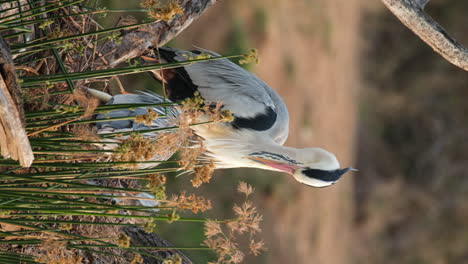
{"type": "Point", "coordinates": [85, 191]}
{"type": "Point", "coordinates": [261, 20]}
{"type": "Point", "coordinates": [237, 41]}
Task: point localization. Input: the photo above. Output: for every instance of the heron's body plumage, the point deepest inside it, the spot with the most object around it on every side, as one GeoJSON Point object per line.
{"type": "Point", "coordinates": [245, 95]}
{"type": "Point", "coordinates": [260, 127]}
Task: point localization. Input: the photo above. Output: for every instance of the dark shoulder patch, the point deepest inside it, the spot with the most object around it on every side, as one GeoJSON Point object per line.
{"type": "Point", "coordinates": [260, 122]}
{"type": "Point", "coordinates": [179, 86]}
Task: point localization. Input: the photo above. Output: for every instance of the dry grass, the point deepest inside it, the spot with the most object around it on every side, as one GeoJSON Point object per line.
{"type": "Point", "coordinates": [225, 241]}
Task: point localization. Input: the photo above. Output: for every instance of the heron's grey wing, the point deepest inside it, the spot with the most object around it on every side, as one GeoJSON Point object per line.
{"type": "Point", "coordinates": [131, 125]}
{"type": "Point", "coordinates": [253, 103]}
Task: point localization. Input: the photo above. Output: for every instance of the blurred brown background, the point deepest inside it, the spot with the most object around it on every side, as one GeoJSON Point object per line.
{"type": "Point", "coordinates": [361, 85]}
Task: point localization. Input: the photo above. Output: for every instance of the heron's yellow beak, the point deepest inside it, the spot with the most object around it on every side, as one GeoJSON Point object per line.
{"type": "Point", "coordinates": [276, 165]}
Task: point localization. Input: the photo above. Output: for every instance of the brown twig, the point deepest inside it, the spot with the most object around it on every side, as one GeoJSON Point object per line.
{"type": "Point", "coordinates": [53, 126]}
{"type": "Point", "coordinates": [28, 69]}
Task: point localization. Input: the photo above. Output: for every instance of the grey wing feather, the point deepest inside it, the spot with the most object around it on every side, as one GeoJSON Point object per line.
{"type": "Point", "coordinates": [130, 125]}
{"type": "Point", "coordinates": [127, 125]}
{"type": "Point", "coordinates": [241, 92]}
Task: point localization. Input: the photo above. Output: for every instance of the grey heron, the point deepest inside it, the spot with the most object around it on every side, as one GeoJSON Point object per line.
{"type": "Point", "coordinates": [260, 127]}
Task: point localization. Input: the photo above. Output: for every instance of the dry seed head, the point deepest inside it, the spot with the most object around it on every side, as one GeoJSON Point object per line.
{"type": "Point", "coordinates": [189, 155]}
{"type": "Point", "coordinates": [174, 259]}
{"type": "Point", "coordinates": [65, 226]}
{"type": "Point", "coordinates": [150, 226]}
{"type": "Point", "coordinates": [256, 247]}
{"type": "Point", "coordinates": [112, 211]}
{"type": "Point", "coordinates": [148, 118]}
{"type": "Point", "coordinates": [191, 202]}
{"type": "Point", "coordinates": [167, 143]}
{"type": "Point", "coordinates": [137, 259]}
{"type": "Point", "coordinates": [212, 229]}
{"type": "Point", "coordinates": [237, 257]}
{"type": "Point", "coordinates": [226, 116]}
{"type": "Point", "coordinates": [195, 110]}
{"type": "Point", "coordinates": [123, 241]}
{"type": "Point", "coordinates": [245, 188]}
{"type": "Point", "coordinates": [192, 103]}
{"type": "Point", "coordinates": [183, 122]}
{"type": "Point", "coordinates": [159, 192]}
{"type": "Point", "coordinates": [226, 250]}
{"type": "Point", "coordinates": [133, 148]}
{"type": "Point", "coordinates": [202, 174]}
{"type": "Point", "coordinates": [136, 147]}
{"type": "Point", "coordinates": [162, 10]}
{"type": "Point", "coordinates": [216, 114]}
{"type": "Point", "coordinates": [156, 179]}
{"type": "Point", "coordinates": [4, 212]}
{"type": "Point", "coordinates": [173, 217]}
{"type": "Point", "coordinates": [57, 33]}
{"type": "Point", "coordinates": [250, 57]}
{"type": "Point", "coordinates": [156, 184]}
{"type": "Point", "coordinates": [115, 37]}
{"type": "Point", "coordinates": [248, 220]}
{"type": "Point", "coordinates": [63, 109]}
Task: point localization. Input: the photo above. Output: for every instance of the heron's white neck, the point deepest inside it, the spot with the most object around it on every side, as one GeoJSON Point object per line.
{"type": "Point", "coordinates": [233, 152]}
{"type": "Point", "coordinates": [231, 148]}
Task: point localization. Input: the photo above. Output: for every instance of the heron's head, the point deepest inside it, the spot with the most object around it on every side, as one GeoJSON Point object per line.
{"type": "Point", "coordinates": [315, 167]}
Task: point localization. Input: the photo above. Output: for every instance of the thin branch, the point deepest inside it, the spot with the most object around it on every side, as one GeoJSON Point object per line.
{"type": "Point", "coordinates": [411, 14]}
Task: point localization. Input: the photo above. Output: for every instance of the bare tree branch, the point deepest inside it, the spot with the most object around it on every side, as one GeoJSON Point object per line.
{"type": "Point", "coordinates": [14, 142]}
{"type": "Point", "coordinates": [135, 42]}
{"type": "Point", "coordinates": [411, 14]}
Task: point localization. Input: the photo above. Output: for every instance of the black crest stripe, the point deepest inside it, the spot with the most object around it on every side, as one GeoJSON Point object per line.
{"type": "Point", "coordinates": [325, 175]}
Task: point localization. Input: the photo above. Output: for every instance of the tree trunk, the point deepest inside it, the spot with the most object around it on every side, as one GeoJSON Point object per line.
{"type": "Point", "coordinates": [14, 142]}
